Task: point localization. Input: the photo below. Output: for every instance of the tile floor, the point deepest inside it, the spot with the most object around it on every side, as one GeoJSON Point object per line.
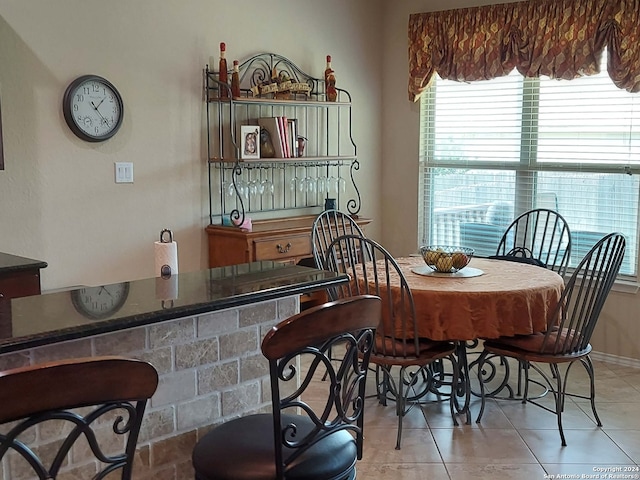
{"type": "Point", "coordinates": [513, 440]}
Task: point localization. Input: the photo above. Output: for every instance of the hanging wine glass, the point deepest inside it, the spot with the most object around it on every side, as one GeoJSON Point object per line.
{"type": "Point", "coordinates": [342, 185]}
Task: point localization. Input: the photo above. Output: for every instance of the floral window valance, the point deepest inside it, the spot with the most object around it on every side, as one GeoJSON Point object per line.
{"type": "Point", "coordinates": [557, 38]}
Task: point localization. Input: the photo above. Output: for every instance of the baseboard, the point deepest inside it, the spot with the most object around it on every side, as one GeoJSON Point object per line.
{"type": "Point", "coordinates": [615, 359]}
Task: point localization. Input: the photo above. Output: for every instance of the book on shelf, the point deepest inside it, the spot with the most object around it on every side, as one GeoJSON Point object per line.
{"type": "Point", "coordinates": [272, 125]}
{"type": "Point", "coordinates": [282, 123]}
{"type": "Point", "coordinates": [292, 140]}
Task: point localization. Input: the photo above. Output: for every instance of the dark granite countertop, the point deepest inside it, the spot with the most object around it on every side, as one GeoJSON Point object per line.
{"type": "Point", "coordinates": [14, 263]}
{"type": "Point", "coordinates": [49, 318]}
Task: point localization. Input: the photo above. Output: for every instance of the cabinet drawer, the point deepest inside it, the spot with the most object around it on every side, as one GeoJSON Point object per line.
{"type": "Point", "coordinates": [276, 248]}
{"type": "Point", "coordinates": [20, 284]}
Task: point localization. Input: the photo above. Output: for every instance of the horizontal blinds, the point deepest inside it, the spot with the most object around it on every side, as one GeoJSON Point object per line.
{"type": "Point", "coordinates": [491, 150]}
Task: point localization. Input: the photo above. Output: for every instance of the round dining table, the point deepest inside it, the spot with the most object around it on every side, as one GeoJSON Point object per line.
{"type": "Point", "coordinates": [487, 299]}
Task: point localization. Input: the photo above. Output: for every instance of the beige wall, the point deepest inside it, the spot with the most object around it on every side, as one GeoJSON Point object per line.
{"type": "Point", "coordinates": [58, 201]}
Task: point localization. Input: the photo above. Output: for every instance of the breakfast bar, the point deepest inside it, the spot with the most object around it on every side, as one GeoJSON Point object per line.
{"type": "Point", "coordinates": [201, 331]}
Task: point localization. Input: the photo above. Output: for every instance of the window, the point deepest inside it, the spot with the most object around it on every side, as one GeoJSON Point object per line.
{"type": "Point", "coordinates": [491, 150]}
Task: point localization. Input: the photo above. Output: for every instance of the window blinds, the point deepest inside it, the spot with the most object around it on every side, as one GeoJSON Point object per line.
{"type": "Point", "coordinates": [493, 149]}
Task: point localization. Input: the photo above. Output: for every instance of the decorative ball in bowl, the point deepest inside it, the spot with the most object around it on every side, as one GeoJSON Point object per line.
{"type": "Point", "coordinates": [446, 259]}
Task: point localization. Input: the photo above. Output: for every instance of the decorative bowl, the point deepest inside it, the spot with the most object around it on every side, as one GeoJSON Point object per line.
{"type": "Point", "coordinates": [446, 259]}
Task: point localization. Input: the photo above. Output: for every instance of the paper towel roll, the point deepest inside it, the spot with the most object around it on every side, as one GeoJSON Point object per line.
{"type": "Point", "coordinates": [166, 254]}
{"type": "Point", "coordinates": [167, 288]}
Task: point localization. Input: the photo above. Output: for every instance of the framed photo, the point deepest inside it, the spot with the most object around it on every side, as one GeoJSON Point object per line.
{"type": "Point", "coordinates": [249, 141]}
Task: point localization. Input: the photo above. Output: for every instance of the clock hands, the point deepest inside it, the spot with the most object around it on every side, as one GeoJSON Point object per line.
{"type": "Point", "coordinates": [104, 288]}
{"type": "Point", "coordinates": [98, 111]}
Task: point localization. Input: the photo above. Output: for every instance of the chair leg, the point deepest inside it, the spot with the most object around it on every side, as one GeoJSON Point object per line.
{"type": "Point", "coordinates": [382, 384]}
{"type": "Point", "coordinates": [588, 365]}
{"type": "Point", "coordinates": [400, 407]}
{"type": "Point", "coordinates": [480, 361]}
{"type": "Point", "coordinates": [559, 397]}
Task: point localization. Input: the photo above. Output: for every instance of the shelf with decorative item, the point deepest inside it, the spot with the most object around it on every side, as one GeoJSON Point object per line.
{"type": "Point", "coordinates": [278, 146]}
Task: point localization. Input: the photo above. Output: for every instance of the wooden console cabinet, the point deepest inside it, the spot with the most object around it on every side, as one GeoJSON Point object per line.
{"type": "Point", "coordinates": [286, 240]}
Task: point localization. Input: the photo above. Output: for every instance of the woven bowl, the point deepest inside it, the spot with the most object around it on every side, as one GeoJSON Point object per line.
{"type": "Point", "coordinates": [446, 259]}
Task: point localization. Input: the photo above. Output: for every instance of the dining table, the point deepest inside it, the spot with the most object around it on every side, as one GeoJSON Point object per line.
{"type": "Point", "coordinates": [487, 299]}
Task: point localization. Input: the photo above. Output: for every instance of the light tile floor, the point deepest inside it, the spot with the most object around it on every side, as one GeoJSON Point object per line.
{"type": "Point", "coordinates": [513, 440]}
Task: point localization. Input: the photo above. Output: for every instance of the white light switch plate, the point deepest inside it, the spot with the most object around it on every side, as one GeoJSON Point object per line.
{"type": "Point", "coordinates": [124, 172]}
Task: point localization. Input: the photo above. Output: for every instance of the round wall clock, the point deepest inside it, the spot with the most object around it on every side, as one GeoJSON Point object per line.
{"type": "Point", "coordinates": [92, 108]}
{"type": "Point", "coordinates": [100, 302]}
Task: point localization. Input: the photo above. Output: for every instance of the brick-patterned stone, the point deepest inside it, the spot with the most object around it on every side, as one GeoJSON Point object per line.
{"type": "Point", "coordinates": [53, 430]}
{"type": "Point", "coordinates": [166, 472]}
{"type": "Point", "coordinates": [210, 372]}
{"type": "Point", "coordinates": [160, 358]}
{"type": "Point", "coordinates": [265, 390]}
{"type": "Point", "coordinates": [141, 461]}
{"type": "Point", "coordinates": [238, 344]}
{"type": "Point", "coordinates": [172, 333]}
{"type": "Point", "coordinates": [18, 466]}
{"type": "Point", "coordinates": [132, 340]}
{"type": "Point", "coordinates": [185, 470]}
{"type": "Point", "coordinates": [194, 354]}
{"type": "Point", "coordinates": [241, 399]}
{"type": "Point", "coordinates": [254, 366]}
{"type": "Point", "coordinates": [110, 443]}
{"type": "Point", "coordinates": [174, 388]}
{"type": "Point", "coordinates": [82, 472]}
{"type": "Point", "coordinates": [60, 351]}
{"type": "Point", "coordinates": [217, 377]}
{"type": "Point", "coordinates": [265, 327]}
{"type": "Point", "coordinates": [255, 314]}
{"type": "Point", "coordinates": [157, 423]}
{"type": "Point", "coordinates": [287, 307]}
{"type": "Point", "coordinates": [217, 323]}
{"type": "Point", "coordinates": [173, 450]}
{"type": "Point", "coordinates": [199, 412]}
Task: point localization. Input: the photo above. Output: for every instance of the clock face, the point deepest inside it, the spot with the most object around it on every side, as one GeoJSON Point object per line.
{"type": "Point", "coordinates": [100, 302]}
{"type": "Point", "coordinates": [92, 108]}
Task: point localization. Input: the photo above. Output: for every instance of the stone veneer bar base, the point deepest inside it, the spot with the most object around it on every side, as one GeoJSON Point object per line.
{"type": "Point", "coordinates": [211, 370]}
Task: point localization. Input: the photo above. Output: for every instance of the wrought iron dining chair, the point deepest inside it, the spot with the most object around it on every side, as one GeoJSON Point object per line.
{"type": "Point", "coordinates": [545, 233]}
{"type": "Point", "coordinates": [312, 433]}
{"type": "Point", "coordinates": [374, 271]}
{"type": "Point", "coordinates": [328, 226]}
{"type": "Point", "coordinates": [84, 394]}
{"type": "Point", "coordinates": [569, 332]}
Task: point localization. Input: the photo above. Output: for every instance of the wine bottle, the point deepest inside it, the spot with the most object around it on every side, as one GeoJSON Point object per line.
{"type": "Point", "coordinates": [330, 82]}
{"type": "Point", "coordinates": [327, 69]}
{"type": "Point", "coordinates": [235, 80]}
{"type": "Point", "coordinates": [222, 71]}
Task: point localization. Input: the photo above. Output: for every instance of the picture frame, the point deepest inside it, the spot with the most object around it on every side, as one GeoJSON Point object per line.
{"type": "Point", "coordinates": [249, 142]}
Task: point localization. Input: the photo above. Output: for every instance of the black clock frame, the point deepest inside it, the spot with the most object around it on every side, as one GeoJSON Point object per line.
{"type": "Point", "coordinates": [68, 114]}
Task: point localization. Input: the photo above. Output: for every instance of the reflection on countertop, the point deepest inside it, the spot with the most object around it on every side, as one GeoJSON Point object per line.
{"type": "Point", "coordinates": [55, 317]}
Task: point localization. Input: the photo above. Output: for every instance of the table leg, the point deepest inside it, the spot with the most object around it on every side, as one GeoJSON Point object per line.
{"type": "Point", "coordinates": [463, 390]}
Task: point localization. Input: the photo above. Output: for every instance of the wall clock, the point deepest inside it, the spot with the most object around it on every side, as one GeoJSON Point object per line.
{"type": "Point", "coordinates": [100, 302]}
{"type": "Point", "coordinates": [93, 108]}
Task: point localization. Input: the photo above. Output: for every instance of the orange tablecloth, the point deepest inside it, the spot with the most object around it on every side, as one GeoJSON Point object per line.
{"type": "Point", "coordinates": [508, 299]}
